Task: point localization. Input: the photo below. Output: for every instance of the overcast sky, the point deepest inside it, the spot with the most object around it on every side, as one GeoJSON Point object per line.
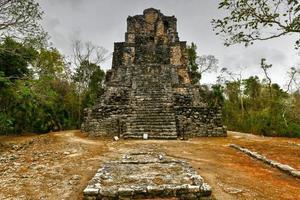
{"type": "Point", "coordinates": [103, 22]}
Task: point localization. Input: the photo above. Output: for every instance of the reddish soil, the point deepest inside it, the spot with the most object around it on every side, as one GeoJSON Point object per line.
{"type": "Point", "coordinates": [59, 165]}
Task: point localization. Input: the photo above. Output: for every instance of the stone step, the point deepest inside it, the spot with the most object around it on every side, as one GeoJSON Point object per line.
{"type": "Point", "coordinates": [159, 113]}
{"type": "Point", "coordinates": [147, 92]}
{"type": "Point", "coordinates": [158, 100]}
{"type": "Point", "coordinates": [133, 135]}
{"type": "Point", "coordinates": [151, 95]}
{"type": "Point", "coordinates": [150, 118]}
{"type": "Point", "coordinates": [150, 123]}
{"type": "Point", "coordinates": [142, 94]}
{"type": "Point", "coordinates": [150, 127]}
{"type": "Point", "coordinates": [154, 93]}
{"type": "Point", "coordinates": [154, 110]}
{"type": "Point", "coordinates": [153, 118]}
{"type": "Point", "coordinates": [151, 99]}
{"type": "Point", "coordinates": [151, 132]}
{"type": "Point", "coordinates": [152, 105]}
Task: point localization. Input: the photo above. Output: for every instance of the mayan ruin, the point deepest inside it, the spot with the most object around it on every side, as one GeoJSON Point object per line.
{"type": "Point", "coordinates": [148, 91]}
{"type": "Point", "coordinates": [149, 100]}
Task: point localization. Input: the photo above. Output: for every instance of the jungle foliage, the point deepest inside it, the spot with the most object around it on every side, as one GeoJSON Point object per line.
{"type": "Point", "coordinates": [255, 105]}
{"type": "Point", "coordinates": [37, 93]}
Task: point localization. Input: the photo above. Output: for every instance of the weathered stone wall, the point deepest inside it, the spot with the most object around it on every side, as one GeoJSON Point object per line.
{"type": "Point", "coordinates": [106, 120]}
{"type": "Point", "coordinates": [199, 121]}
{"type": "Point", "coordinates": [148, 90]}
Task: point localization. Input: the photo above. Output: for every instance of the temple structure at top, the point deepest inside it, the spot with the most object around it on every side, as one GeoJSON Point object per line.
{"type": "Point", "coordinates": [148, 91]}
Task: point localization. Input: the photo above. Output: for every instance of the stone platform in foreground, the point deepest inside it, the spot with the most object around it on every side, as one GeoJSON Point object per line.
{"type": "Point", "coordinates": [146, 176]}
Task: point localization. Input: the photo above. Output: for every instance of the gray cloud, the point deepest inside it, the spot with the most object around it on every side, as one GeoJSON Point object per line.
{"type": "Point", "coordinates": [104, 22]}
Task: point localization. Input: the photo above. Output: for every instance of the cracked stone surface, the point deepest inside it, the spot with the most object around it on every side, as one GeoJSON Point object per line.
{"type": "Point", "coordinates": [146, 175]}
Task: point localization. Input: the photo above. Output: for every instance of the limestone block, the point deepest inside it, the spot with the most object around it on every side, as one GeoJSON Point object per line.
{"type": "Point", "coordinates": [160, 30]}
{"type": "Point", "coordinates": [175, 55]}
{"type": "Point", "coordinates": [130, 37]}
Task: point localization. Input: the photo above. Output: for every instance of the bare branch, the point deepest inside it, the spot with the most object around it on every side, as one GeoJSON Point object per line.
{"type": "Point", "coordinates": [292, 78]}
{"type": "Point", "coordinates": [88, 52]}
{"type": "Point", "coordinates": [20, 18]}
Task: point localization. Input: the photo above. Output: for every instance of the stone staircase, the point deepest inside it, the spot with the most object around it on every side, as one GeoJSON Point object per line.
{"type": "Point", "coordinates": [152, 114]}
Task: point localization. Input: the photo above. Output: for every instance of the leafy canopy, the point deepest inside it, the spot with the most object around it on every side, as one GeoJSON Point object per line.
{"type": "Point", "coordinates": [15, 58]}
{"type": "Point", "coordinates": [252, 20]}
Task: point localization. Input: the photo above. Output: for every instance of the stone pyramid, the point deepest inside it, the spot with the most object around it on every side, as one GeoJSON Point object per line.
{"type": "Point", "coordinates": [148, 92]}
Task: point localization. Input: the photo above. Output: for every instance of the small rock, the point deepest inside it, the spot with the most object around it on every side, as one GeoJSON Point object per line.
{"type": "Point", "coordinates": [17, 164]}
{"type": "Point", "coordinates": [116, 138]}
{"type": "Point", "coordinates": [160, 157]}
{"type": "Point", "coordinates": [76, 177]}
{"type": "Point", "coordinates": [232, 190]}
{"type": "Point", "coordinates": [74, 151]}
{"type": "Point", "coordinates": [126, 157]}
{"type": "Point", "coordinates": [72, 182]}
{"type": "Point", "coordinates": [13, 157]}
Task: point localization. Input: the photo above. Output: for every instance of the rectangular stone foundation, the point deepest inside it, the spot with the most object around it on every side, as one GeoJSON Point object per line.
{"type": "Point", "coordinates": [146, 176]}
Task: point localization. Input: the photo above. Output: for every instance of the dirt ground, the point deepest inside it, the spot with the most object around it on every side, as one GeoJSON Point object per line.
{"type": "Point", "coordinates": [59, 165]}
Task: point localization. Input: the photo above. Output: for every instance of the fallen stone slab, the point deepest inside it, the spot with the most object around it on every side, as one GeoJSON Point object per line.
{"type": "Point", "coordinates": [283, 167]}
{"type": "Point", "coordinates": [146, 176]}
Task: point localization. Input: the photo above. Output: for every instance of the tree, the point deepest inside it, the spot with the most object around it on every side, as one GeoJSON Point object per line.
{"type": "Point", "coordinates": [87, 51]}
{"type": "Point", "coordinates": [87, 58]}
{"type": "Point", "coordinates": [88, 75]}
{"type": "Point", "coordinates": [198, 65]}
{"type": "Point", "coordinates": [20, 19]}
{"type": "Point", "coordinates": [89, 78]}
{"type": "Point", "coordinates": [292, 79]}
{"type": "Point", "coordinates": [261, 107]}
{"type": "Point", "coordinates": [256, 20]}
{"type": "Point", "coordinates": [49, 63]}
{"type": "Point", "coordinates": [217, 95]}
{"type": "Point", "coordinates": [192, 64]}
{"type": "Point", "coordinates": [15, 58]}
{"type": "Point", "coordinates": [265, 68]}
{"type": "Point", "coordinates": [207, 63]}
{"type": "Point", "coordinates": [35, 96]}
{"type": "Point", "coordinates": [252, 87]}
